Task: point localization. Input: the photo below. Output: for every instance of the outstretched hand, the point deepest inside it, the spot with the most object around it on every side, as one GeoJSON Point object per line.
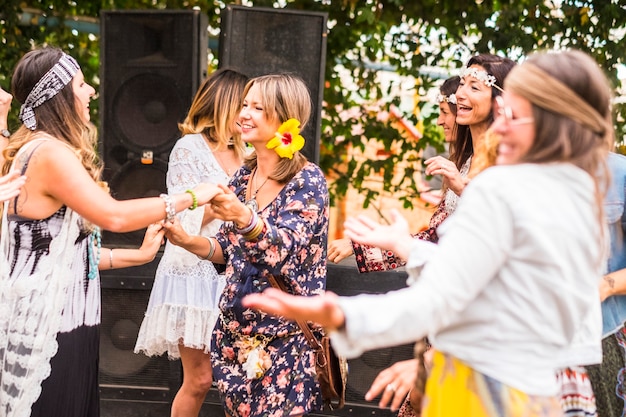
{"type": "Point", "coordinates": [175, 233]}
{"type": "Point", "coordinates": [449, 171]}
{"type": "Point", "coordinates": [395, 236]}
{"type": "Point", "coordinates": [321, 309]}
{"type": "Point", "coordinates": [206, 192]}
{"type": "Point", "coordinates": [5, 105]}
{"type": "Point", "coordinates": [227, 206]}
{"type": "Point", "coordinates": [153, 239]}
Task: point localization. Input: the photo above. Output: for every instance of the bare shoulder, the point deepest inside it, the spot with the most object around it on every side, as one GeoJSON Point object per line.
{"type": "Point", "coordinates": [51, 160]}
{"type": "Point", "coordinates": [50, 150]}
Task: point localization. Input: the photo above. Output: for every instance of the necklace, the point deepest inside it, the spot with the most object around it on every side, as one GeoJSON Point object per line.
{"type": "Point", "coordinates": [251, 202]}
{"type": "Point", "coordinates": [229, 170]}
{"type": "Point", "coordinates": [221, 162]}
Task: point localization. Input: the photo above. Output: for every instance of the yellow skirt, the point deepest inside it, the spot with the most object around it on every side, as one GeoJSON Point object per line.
{"type": "Point", "coordinates": [455, 389]}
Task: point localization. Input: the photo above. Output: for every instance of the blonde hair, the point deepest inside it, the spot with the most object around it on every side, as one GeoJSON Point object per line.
{"type": "Point", "coordinates": [283, 96]}
{"type": "Point", "coordinates": [571, 100]}
{"type": "Point", "coordinates": [215, 107]}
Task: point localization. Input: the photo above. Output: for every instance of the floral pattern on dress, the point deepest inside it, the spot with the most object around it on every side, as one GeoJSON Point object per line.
{"type": "Point", "coordinates": [292, 247]}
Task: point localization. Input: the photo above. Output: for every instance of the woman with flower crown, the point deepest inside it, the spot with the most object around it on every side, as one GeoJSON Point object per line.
{"type": "Point", "coordinates": [50, 243]}
{"type": "Point", "coordinates": [368, 259]}
{"type": "Point", "coordinates": [480, 81]}
{"type": "Point", "coordinates": [276, 212]}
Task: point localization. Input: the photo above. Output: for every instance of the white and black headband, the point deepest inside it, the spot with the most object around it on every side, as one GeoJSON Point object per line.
{"type": "Point", "coordinates": [47, 87]}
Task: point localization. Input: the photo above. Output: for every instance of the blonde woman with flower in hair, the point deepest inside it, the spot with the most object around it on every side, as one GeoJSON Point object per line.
{"type": "Point", "coordinates": [50, 243]}
{"type": "Point", "coordinates": [516, 270]}
{"type": "Point", "coordinates": [183, 305]}
{"type": "Point", "coordinates": [276, 212]}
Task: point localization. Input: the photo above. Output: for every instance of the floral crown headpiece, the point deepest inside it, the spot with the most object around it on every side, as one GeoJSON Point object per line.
{"type": "Point", "coordinates": [287, 140]}
{"type": "Point", "coordinates": [448, 99]}
{"type": "Point", "coordinates": [482, 76]}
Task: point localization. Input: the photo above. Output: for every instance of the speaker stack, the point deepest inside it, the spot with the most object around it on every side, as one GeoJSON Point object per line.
{"type": "Point", "coordinates": [152, 63]}
{"type": "Point", "coordinates": [259, 41]}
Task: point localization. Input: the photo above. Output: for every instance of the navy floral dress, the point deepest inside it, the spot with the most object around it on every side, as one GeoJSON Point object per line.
{"type": "Point", "coordinates": [262, 363]}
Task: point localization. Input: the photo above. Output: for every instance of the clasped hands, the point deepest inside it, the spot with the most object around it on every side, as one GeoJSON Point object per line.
{"type": "Point", "coordinates": [220, 202]}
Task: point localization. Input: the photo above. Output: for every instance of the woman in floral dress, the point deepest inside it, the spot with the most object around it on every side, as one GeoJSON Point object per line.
{"type": "Point", "coordinates": [276, 223]}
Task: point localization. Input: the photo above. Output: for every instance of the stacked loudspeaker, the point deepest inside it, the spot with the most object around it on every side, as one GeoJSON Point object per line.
{"type": "Point", "coordinates": [152, 63]}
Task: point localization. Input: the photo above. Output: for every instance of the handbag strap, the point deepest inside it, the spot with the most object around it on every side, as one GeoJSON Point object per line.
{"type": "Point", "coordinates": [306, 330]}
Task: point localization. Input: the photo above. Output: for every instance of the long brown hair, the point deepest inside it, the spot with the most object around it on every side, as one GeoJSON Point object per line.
{"type": "Point", "coordinates": [576, 129]}
{"type": "Point", "coordinates": [463, 147]}
{"type": "Point", "coordinates": [57, 117]}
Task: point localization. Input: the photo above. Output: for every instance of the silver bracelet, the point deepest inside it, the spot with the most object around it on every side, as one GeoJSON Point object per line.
{"type": "Point", "coordinates": [170, 207]}
{"type": "Point", "coordinates": [212, 247]}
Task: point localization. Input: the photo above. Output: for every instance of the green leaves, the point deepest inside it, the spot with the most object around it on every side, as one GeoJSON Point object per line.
{"type": "Point", "coordinates": [379, 53]}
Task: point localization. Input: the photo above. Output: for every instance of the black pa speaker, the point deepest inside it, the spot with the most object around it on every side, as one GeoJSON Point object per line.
{"type": "Point", "coordinates": [152, 63]}
{"type": "Point", "coordinates": [125, 295]}
{"type": "Point", "coordinates": [259, 41]}
{"type": "Point", "coordinates": [129, 382]}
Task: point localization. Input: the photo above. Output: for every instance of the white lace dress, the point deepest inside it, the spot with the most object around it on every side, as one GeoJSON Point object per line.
{"type": "Point", "coordinates": [183, 306]}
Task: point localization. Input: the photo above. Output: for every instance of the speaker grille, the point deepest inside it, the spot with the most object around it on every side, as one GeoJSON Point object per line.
{"type": "Point", "coordinates": [153, 61]}
{"type": "Point", "coordinates": [122, 313]}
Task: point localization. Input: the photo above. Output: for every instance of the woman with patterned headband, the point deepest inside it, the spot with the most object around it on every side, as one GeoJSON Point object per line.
{"type": "Point", "coordinates": [50, 243]}
{"type": "Point", "coordinates": [517, 267]}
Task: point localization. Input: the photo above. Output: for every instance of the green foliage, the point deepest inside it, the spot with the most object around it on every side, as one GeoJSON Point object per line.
{"type": "Point", "coordinates": [405, 35]}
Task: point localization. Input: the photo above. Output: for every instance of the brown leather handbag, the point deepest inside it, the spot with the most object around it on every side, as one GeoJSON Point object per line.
{"type": "Point", "coordinates": [332, 370]}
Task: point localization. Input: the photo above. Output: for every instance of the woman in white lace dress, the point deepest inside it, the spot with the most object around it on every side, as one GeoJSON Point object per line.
{"type": "Point", "coordinates": [183, 306]}
{"type": "Point", "coordinates": [50, 246]}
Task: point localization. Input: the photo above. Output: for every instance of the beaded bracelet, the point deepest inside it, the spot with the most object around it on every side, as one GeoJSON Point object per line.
{"type": "Point", "coordinates": [194, 204]}
{"type": "Point", "coordinates": [170, 207]}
